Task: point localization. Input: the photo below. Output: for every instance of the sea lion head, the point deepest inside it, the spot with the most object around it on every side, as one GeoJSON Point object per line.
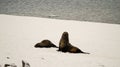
{"type": "Point", "coordinates": [65, 36]}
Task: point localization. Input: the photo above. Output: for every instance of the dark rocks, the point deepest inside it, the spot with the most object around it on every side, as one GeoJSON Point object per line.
{"type": "Point", "coordinates": [10, 65]}
{"type": "Point", "coordinates": [25, 64]}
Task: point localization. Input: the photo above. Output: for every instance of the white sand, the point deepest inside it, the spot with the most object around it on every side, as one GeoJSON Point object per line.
{"type": "Point", "coordinates": [19, 34]}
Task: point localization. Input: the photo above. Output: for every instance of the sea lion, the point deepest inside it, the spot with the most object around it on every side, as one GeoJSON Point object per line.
{"type": "Point", "coordinates": [64, 42]}
{"type": "Point", "coordinates": [45, 43]}
{"type": "Point", "coordinates": [65, 46]}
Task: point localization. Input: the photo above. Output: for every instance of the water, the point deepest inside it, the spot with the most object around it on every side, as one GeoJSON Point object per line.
{"type": "Point", "coordinates": [106, 11]}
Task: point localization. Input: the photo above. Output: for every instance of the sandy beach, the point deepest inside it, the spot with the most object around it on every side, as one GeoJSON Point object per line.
{"type": "Point", "coordinates": [19, 34]}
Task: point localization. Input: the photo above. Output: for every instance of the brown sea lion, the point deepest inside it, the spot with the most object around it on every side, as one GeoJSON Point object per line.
{"type": "Point", "coordinates": [65, 46]}
{"type": "Point", "coordinates": [45, 43]}
{"type": "Point", "coordinates": [64, 42]}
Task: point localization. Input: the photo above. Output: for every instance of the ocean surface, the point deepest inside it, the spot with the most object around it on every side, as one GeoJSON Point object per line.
{"type": "Point", "coordinates": [106, 11]}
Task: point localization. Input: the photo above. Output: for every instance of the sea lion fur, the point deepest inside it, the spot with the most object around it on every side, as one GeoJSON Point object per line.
{"type": "Point", "coordinates": [65, 46]}
{"type": "Point", "coordinates": [45, 43]}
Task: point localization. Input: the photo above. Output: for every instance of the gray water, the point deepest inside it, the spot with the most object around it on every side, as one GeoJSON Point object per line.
{"type": "Point", "coordinates": [106, 11]}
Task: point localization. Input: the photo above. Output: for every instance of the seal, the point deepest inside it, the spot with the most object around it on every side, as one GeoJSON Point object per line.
{"type": "Point", "coordinates": [65, 46]}
{"type": "Point", "coordinates": [64, 42]}
{"type": "Point", "coordinates": [45, 43]}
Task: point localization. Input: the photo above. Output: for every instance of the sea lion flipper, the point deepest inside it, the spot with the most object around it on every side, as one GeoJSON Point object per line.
{"type": "Point", "coordinates": [86, 53]}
